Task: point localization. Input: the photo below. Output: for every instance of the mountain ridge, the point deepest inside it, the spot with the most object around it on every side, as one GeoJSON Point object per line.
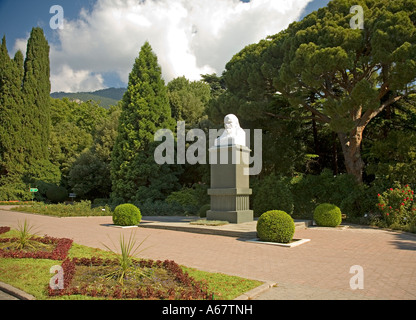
{"type": "Point", "coordinates": [104, 97]}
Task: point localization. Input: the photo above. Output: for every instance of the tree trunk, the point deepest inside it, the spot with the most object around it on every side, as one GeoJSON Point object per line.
{"type": "Point", "coordinates": [351, 147]}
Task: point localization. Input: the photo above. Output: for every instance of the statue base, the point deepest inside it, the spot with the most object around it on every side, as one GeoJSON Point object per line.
{"type": "Point", "coordinates": [231, 216]}
{"type": "Point", "coordinates": [230, 191]}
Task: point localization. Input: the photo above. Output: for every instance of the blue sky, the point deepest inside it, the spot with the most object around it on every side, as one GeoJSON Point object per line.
{"type": "Point", "coordinates": [100, 39]}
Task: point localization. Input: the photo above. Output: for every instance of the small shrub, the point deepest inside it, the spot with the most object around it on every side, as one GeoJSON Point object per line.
{"type": "Point", "coordinates": [327, 215]}
{"type": "Point", "coordinates": [275, 226]}
{"type": "Point", "coordinates": [126, 215]}
{"type": "Point", "coordinates": [190, 199]}
{"type": "Point", "coordinates": [202, 212]}
{"type": "Point", "coordinates": [57, 194]}
{"type": "Point", "coordinates": [398, 207]}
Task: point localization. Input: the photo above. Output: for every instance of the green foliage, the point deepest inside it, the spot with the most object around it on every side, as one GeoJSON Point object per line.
{"type": "Point", "coordinates": [15, 191]}
{"type": "Point", "coordinates": [188, 100]}
{"type": "Point", "coordinates": [74, 127]}
{"type": "Point", "coordinates": [42, 170]}
{"type": "Point", "coordinates": [190, 199]}
{"type": "Point", "coordinates": [202, 212]}
{"type": "Point", "coordinates": [25, 235]}
{"type": "Point", "coordinates": [76, 209]}
{"type": "Point", "coordinates": [126, 215]}
{"type": "Point", "coordinates": [125, 262]}
{"type": "Point", "coordinates": [327, 215]}
{"type": "Point", "coordinates": [343, 190]}
{"type": "Point", "coordinates": [11, 110]}
{"type": "Point", "coordinates": [397, 207]}
{"type": "Point", "coordinates": [275, 226]}
{"type": "Point", "coordinates": [337, 75]}
{"type": "Point", "coordinates": [160, 208]}
{"type": "Point", "coordinates": [89, 176]}
{"type": "Point", "coordinates": [36, 89]}
{"type": "Point", "coordinates": [393, 159]}
{"type": "Point", "coordinates": [57, 194]}
{"type": "Point", "coordinates": [272, 193]}
{"type": "Point", "coordinates": [145, 109]}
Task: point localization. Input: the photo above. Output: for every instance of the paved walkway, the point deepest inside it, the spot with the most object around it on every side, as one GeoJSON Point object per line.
{"type": "Point", "coordinates": [319, 269]}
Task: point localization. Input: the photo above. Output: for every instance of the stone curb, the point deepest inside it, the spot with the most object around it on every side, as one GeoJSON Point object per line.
{"type": "Point", "coordinates": [250, 295]}
{"type": "Point", "coordinates": [21, 295]}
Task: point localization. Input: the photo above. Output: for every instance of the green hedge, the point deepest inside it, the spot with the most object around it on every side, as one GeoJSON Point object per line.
{"type": "Point", "coordinates": [275, 226]}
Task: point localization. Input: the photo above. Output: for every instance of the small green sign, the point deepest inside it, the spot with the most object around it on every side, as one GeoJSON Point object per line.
{"type": "Point", "coordinates": [33, 190]}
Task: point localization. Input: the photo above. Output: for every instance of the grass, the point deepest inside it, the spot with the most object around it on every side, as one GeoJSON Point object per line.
{"type": "Point", "coordinates": [32, 275]}
{"type": "Point", "coordinates": [204, 222]}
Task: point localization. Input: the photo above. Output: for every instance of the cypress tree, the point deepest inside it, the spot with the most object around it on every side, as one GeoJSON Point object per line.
{"type": "Point", "coordinates": [145, 109]}
{"type": "Point", "coordinates": [36, 91]}
{"type": "Point", "coordinates": [11, 108]}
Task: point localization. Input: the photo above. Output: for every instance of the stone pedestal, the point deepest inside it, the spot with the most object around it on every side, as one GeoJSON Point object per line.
{"type": "Point", "coordinates": [230, 190]}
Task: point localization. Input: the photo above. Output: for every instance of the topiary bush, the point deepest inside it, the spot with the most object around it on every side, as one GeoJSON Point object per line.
{"type": "Point", "coordinates": [126, 215]}
{"type": "Point", "coordinates": [327, 215]}
{"type": "Point", "coordinates": [275, 226]}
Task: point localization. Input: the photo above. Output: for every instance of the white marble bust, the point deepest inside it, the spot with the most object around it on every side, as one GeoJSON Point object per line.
{"type": "Point", "coordinates": [233, 134]}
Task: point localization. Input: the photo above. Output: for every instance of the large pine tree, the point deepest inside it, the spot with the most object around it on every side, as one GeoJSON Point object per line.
{"type": "Point", "coordinates": [145, 109]}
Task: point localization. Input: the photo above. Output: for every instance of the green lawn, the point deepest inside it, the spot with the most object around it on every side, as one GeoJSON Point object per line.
{"type": "Point", "coordinates": [32, 275]}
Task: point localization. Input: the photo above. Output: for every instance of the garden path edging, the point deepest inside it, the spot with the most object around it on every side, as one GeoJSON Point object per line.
{"type": "Point", "coordinates": [250, 295]}
{"type": "Point", "coordinates": [21, 295]}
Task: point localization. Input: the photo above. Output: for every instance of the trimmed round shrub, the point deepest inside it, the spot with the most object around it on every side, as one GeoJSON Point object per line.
{"type": "Point", "coordinates": [275, 226]}
{"type": "Point", "coordinates": [126, 215]}
{"type": "Point", "coordinates": [327, 215]}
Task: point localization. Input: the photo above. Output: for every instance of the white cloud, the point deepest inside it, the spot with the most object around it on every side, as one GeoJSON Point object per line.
{"type": "Point", "coordinates": [67, 80]}
{"type": "Point", "coordinates": [190, 37]}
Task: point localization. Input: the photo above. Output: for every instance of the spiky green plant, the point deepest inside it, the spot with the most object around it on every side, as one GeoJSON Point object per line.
{"type": "Point", "coordinates": [128, 249]}
{"type": "Point", "coordinates": [25, 235]}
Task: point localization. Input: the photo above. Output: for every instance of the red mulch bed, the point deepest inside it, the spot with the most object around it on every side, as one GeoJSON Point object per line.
{"type": "Point", "coordinates": [60, 251]}
{"type": "Point", "coordinates": [190, 289]}
{"type": "Point", "coordinates": [4, 229]}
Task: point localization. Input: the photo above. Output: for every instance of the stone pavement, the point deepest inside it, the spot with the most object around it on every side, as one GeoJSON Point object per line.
{"type": "Point", "coordinates": [319, 269]}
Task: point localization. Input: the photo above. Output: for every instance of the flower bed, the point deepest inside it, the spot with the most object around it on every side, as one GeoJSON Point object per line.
{"type": "Point", "coordinates": [89, 276]}
{"type": "Point", "coordinates": [60, 250]}
{"type": "Point", "coordinates": [4, 229]}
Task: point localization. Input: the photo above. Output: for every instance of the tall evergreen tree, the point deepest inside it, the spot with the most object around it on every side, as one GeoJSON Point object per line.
{"type": "Point", "coordinates": [11, 106]}
{"type": "Point", "coordinates": [145, 110]}
{"type": "Point", "coordinates": [36, 90]}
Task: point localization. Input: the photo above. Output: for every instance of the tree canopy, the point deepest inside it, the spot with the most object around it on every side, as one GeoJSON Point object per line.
{"type": "Point", "coordinates": [330, 72]}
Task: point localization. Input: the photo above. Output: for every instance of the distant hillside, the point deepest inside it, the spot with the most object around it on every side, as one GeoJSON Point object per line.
{"type": "Point", "coordinates": [105, 97]}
